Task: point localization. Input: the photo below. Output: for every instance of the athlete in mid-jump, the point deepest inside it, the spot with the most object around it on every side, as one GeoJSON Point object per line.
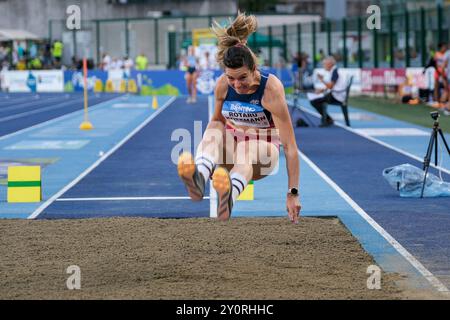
{"type": "Point", "coordinates": [241, 142]}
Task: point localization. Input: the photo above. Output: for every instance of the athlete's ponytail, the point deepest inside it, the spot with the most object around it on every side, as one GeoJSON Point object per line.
{"type": "Point", "coordinates": [232, 42]}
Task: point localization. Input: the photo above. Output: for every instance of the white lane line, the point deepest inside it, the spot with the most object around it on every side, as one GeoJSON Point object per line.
{"type": "Point", "coordinates": [384, 144]}
{"type": "Point", "coordinates": [212, 191]}
{"type": "Point", "coordinates": [38, 211]}
{"type": "Point", "coordinates": [397, 246]}
{"type": "Point", "coordinates": [28, 113]}
{"type": "Point", "coordinates": [123, 199]}
{"type": "Point", "coordinates": [27, 103]}
{"type": "Point", "coordinates": [63, 117]}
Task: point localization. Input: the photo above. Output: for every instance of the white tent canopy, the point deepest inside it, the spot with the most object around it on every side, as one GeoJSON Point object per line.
{"type": "Point", "coordinates": [14, 34]}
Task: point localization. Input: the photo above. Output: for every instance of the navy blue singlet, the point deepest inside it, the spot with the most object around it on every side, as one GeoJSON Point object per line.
{"type": "Point", "coordinates": [246, 109]}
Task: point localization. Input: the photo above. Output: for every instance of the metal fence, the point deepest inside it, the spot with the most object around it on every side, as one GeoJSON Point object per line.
{"type": "Point", "coordinates": [405, 39]}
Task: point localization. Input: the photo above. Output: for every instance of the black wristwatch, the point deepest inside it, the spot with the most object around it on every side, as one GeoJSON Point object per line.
{"type": "Point", "coordinates": [293, 192]}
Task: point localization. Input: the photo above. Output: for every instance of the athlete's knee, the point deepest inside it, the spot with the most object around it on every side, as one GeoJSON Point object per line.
{"type": "Point", "coordinates": [219, 125]}
{"type": "Point", "coordinates": [246, 170]}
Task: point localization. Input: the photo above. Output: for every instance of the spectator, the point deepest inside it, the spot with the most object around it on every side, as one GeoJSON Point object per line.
{"type": "Point", "coordinates": [333, 91]}
{"type": "Point", "coordinates": [440, 76]}
{"type": "Point", "coordinates": [447, 71]}
{"type": "Point", "coordinates": [3, 54]}
{"type": "Point", "coordinates": [207, 62]}
{"type": "Point", "coordinates": [141, 62]}
{"type": "Point", "coordinates": [35, 63]}
{"type": "Point", "coordinates": [426, 93]}
{"type": "Point", "coordinates": [320, 55]}
{"type": "Point", "coordinates": [57, 53]}
{"type": "Point", "coordinates": [128, 64]}
{"type": "Point", "coordinates": [75, 64]}
{"type": "Point", "coordinates": [106, 62]}
{"type": "Point", "coordinates": [116, 64]}
{"type": "Point", "coordinates": [47, 56]}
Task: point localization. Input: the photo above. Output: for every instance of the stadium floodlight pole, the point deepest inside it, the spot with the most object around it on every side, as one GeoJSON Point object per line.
{"type": "Point", "coordinates": [375, 48]}
{"type": "Point", "coordinates": [127, 37]}
{"type": "Point", "coordinates": [156, 20]}
{"type": "Point", "coordinates": [360, 50]}
{"type": "Point", "coordinates": [313, 23]}
{"type": "Point", "coordinates": [50, 31]}
{"type": "Point", "coordinates": [97, 41]}
{"type": "Point", "coordinates": [439, 22]}
{"type": "Point", "coordinates": [299, 38]}
{"type": "Point", "coordinates": [407, 52]}
{"type": "Point", "coordinates": [328, 27]}
{"type": "Point", "coordinates": [85, 125]}
{"type": "Point", "coordinates": [391, 40]}
{"type": "Point", "coordinates": [344, 41]}
{"type": "Point", "coordinates": [423, 46]}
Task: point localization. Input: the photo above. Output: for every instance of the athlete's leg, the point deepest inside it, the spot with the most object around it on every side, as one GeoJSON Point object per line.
{"type": "Point", "coordinates": [254, 159]}
{"type": "Point", "coordinates": [189, 85]}
{"type": "Point", "coordinates": [194, 86]}
{"type": "Point", "coordinates": [196, 172]}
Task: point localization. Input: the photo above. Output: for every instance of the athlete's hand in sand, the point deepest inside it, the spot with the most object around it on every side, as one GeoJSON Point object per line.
{"type": "Point", "coordinates": [293, 208]}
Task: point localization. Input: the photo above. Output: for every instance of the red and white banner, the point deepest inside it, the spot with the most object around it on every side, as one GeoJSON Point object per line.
{"type": "Point", "coordinates": [380, 80]}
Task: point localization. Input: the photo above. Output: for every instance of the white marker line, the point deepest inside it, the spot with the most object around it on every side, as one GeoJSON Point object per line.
{"type": "Point", "coordinates": [123, 199]}
{"type": "Point", "coordinates": [63, 117]}
{"type": "Point", "coordinates": [28, 103]}
{"type": "Point", "coordinates": [40, 110]}
{"type": "Point", "coordinates": [397, 246]}
{"type": "Point", "coordinates": [100, 160]}
{"type": "Point", "coordinates": [379, 142]}
{"type": "Point", "coordinates": [212, 191]}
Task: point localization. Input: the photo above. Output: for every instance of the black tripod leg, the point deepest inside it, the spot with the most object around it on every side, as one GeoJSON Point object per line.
{"type": "Point", "coordinates": [429, 150]}
{"type": "Point", "coordinates": [443, 139]}
{"type": "Point", "coordinates": [436, 150]}
{"type": "Point", "coordinates": [426, 161]}
{"type": "Point", "coordinates": [424, 180]}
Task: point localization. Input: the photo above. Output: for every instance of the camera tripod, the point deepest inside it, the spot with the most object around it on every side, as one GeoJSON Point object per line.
{"type": "Point", "coordinates": [433, 142]}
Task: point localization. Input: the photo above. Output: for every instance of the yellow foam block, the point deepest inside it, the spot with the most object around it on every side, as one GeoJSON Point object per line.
{"type": "Point", "coordinates": [109, 86]}
{"type": "Point", "coordinates": [249, 192]}
{"type": "Point", "coordinates": [24, 184]}
{"type": "Point", "coordinates": [123, 86]}
{"type": "Point", "coordinates": [98, 86]}
{"type": "Point", "coordinates": [132, 87]}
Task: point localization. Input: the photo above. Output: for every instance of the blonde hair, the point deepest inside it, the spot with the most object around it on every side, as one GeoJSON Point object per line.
{"type": "Point", "coordinates": [235, 36]}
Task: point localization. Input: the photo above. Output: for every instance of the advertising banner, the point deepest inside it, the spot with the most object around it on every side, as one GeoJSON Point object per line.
{"type": "Point", "coordinates": [34, 81]}
{"type": "Point", "coordinates": [381, 80]}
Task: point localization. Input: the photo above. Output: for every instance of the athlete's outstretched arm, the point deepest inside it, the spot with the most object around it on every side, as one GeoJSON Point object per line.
{"type": "Point", "coordinates": [274, 101]}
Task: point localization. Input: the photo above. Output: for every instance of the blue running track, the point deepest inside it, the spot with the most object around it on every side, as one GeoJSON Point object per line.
{"type": "Point", "coordinates": [22, 110]}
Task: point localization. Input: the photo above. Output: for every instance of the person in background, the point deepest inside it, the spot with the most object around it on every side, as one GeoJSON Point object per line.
{"type": "Point", "coordinates": [440, 76]}
{"type": "Point", "coordinates": [128, 64]}
{"type": "Point", "coordinates": [191, 62]}
{"type": "Point", "coordinates": [447, 71]}
{"type": "Point", "coordinates": [35, 63]}
{"type": "Point", "coordinates": [141, 62]}
{"type": "Point", "coordinates": [333, 91]}
{"type": "Point", "coordinates": [427, 93]}
{"type": "Point", "coordinates": [106, 62]}
{"type": "Point", "coordinates": [57, 53]}
{"type": "Point", "coordinates": [406, 92]}
{"type": "Point", "coordinates": [47, 56]}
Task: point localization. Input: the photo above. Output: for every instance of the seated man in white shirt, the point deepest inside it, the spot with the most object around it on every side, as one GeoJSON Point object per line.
{"type": "Point", "coordinates": [332, 93]}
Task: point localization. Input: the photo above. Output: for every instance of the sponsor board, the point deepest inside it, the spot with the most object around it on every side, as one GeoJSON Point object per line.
{"type": "Point", "coordinates": [34, 81]}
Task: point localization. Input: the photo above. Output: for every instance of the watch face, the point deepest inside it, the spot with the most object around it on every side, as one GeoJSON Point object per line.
{"type": "Point", "coordinates": [294, 191]}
